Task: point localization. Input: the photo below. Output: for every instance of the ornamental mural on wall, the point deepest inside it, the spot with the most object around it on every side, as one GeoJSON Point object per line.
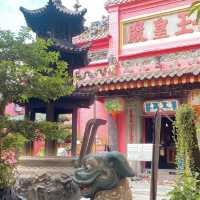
{"type": "Point", "coordinates": [183, 59]}
{"type": "Point", "coordinates": [96, 56]}
{"type": "Point", "coordinates": [163, 62]}
{"type": "Point", "coordinates": [156, 27]}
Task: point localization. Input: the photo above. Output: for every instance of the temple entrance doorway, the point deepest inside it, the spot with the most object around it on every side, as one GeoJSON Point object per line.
{"type": "Point", "coordinates": [167, 144]}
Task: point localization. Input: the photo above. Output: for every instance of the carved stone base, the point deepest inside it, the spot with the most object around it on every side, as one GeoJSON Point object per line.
{"type": "Point", "coordinates": [48, 187]}
{"type": "Point", "coordinates": [121, 192]}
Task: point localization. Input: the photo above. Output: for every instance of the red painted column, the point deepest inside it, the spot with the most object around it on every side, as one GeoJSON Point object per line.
{"type": "Point", "coordinates": [121, 123]}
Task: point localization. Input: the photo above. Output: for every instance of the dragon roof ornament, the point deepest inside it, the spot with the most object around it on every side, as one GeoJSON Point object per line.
{"type": "Point", "coordinates": [97, 30]}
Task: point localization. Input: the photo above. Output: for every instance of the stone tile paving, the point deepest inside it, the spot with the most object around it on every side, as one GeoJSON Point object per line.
{"type": "Point", "coordinates": [141, 190]}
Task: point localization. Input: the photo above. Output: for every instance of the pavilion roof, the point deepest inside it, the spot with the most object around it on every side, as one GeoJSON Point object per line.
{"type": "Point", "coordinates": [57, 5]}
{"type": "Point", "coordinates": [145, 78]}
{"type": "Point", "coordinates": [54, 14]}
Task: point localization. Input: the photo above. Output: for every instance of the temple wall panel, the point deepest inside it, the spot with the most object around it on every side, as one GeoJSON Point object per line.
{"type": "Point", "coordinates": [114, 32]}
{"type": "Point", "coordinates": [148, 7]}
{"type": "Point", "coordinates": [157, 27]}
{"type": "Point", "coordinates": [86, 114]}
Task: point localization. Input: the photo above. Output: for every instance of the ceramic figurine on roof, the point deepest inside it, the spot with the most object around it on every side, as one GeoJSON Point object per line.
{"type": "Point", "coordinates": [60, 24]}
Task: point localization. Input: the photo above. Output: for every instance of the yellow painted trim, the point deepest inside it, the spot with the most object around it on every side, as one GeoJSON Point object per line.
{"type": "Point", "coordinates": [121, 34]}
{"type": "Point", "coordinates": [124, 23]}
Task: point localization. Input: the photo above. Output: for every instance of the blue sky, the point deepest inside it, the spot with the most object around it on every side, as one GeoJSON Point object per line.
{"type": "Point", "coordinates": [11, 18]}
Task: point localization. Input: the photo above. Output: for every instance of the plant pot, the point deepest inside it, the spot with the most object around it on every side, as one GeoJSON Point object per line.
{"type": "Point", "coordinates": [8, 194]}
{"type": "Point", "coordinates": [114, 115]}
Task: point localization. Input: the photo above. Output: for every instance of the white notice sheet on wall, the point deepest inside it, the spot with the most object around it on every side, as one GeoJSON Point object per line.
{"type": "Point", "coordinates": [140, 152]}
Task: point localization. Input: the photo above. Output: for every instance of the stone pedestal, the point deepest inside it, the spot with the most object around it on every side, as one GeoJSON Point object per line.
{"type": "Point", "coordinates": [46, 178]}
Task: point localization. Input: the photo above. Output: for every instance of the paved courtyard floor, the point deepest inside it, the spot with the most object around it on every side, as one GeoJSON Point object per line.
{"type": "Point", "coordinates": [141, 191]}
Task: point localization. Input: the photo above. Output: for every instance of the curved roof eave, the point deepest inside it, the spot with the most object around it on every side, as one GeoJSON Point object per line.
{"type": "Point", "coordinates": [55, 4]}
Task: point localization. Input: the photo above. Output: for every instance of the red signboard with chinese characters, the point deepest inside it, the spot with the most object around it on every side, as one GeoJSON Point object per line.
{"type": "Point", "coordinates": [156, 27]}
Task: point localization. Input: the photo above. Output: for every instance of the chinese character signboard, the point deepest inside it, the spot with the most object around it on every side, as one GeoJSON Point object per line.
{"type": "Point", "coordinates": [156, 27]}
{"type": "Point", "coordinates": [163, 106]}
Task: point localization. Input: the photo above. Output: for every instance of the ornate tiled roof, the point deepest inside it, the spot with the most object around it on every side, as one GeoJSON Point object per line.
{"type": "Point", "coordinates": [56, 4]}
{"type": "Point", "coordinates": [97, 30]}
{"type": "Point", "coordinates": [115, 2]}
{"type": "Point", "coordinates": [171, 73]}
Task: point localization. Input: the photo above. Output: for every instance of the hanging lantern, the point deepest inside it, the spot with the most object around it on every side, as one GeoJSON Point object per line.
{"type": "Point", "coordinates": [162, 151]}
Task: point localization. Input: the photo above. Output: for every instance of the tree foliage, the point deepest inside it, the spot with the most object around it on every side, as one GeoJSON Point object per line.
{"type": "Point", "coordinates": [195, 8]}
{"type": "Point", "coordinates": [186, 142]}
{"type": "Point", "coordinates": [28, 69]}
{"type": "Point", "coordinates": [187, 186]}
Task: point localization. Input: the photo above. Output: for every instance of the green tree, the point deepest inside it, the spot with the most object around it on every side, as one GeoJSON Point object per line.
{"type": "Point", "coordinates": [186, 140]}
{"type": "Point", "coordinates": [28, 69]}
{"type": "Point", "coordinates": [195, 8]}
{"type": "Point", "coordinates": [187, 155]}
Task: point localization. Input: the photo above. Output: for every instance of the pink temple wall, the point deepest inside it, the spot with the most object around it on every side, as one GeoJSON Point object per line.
{"type": "Point", "coordinates": [151, 6]}
{"type": "Point", "coordinates": [10, 110]}
{"type": "Point", "coordinates": [114, 29]}
{"type": "Point", "coordinates": [142, 8]}
{"type": "Point", "coordinates": [116, 15]}
{"type": "Point", "coordinates": [86, 114]}
{"type": "Point", "coordinates": [121, 121]}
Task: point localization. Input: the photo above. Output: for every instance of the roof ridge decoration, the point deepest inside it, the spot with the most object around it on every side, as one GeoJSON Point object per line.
{"type": "Point", "coordinates": [116, 2]}
{"type": "Point", "coordinates": [97, 30]}
{"type": "Point", "coordinates": [57, 4]}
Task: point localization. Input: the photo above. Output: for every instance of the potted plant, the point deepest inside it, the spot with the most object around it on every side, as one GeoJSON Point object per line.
{"type": "Point", "coordinates": [114, 106]}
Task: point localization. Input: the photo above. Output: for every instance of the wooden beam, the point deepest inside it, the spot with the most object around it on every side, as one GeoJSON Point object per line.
{"type": "Point", "coordinates": [28, 147]}
{"type": "Point", "coordinates": [74, 131]}
{"type": "Point", "coordinates": [50, 145]}
{"type": "Point", "coordinates": [155, 158]}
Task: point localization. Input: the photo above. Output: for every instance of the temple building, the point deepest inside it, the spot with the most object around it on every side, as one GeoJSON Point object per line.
{"type": "Point", "coordinates": [144, 58]}
{"type": "Point", "coordinates": [58, 23]}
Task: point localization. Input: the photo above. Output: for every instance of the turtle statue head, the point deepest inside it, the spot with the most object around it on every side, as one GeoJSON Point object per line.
{"type": "Point", "coordinates": [102, 171]}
